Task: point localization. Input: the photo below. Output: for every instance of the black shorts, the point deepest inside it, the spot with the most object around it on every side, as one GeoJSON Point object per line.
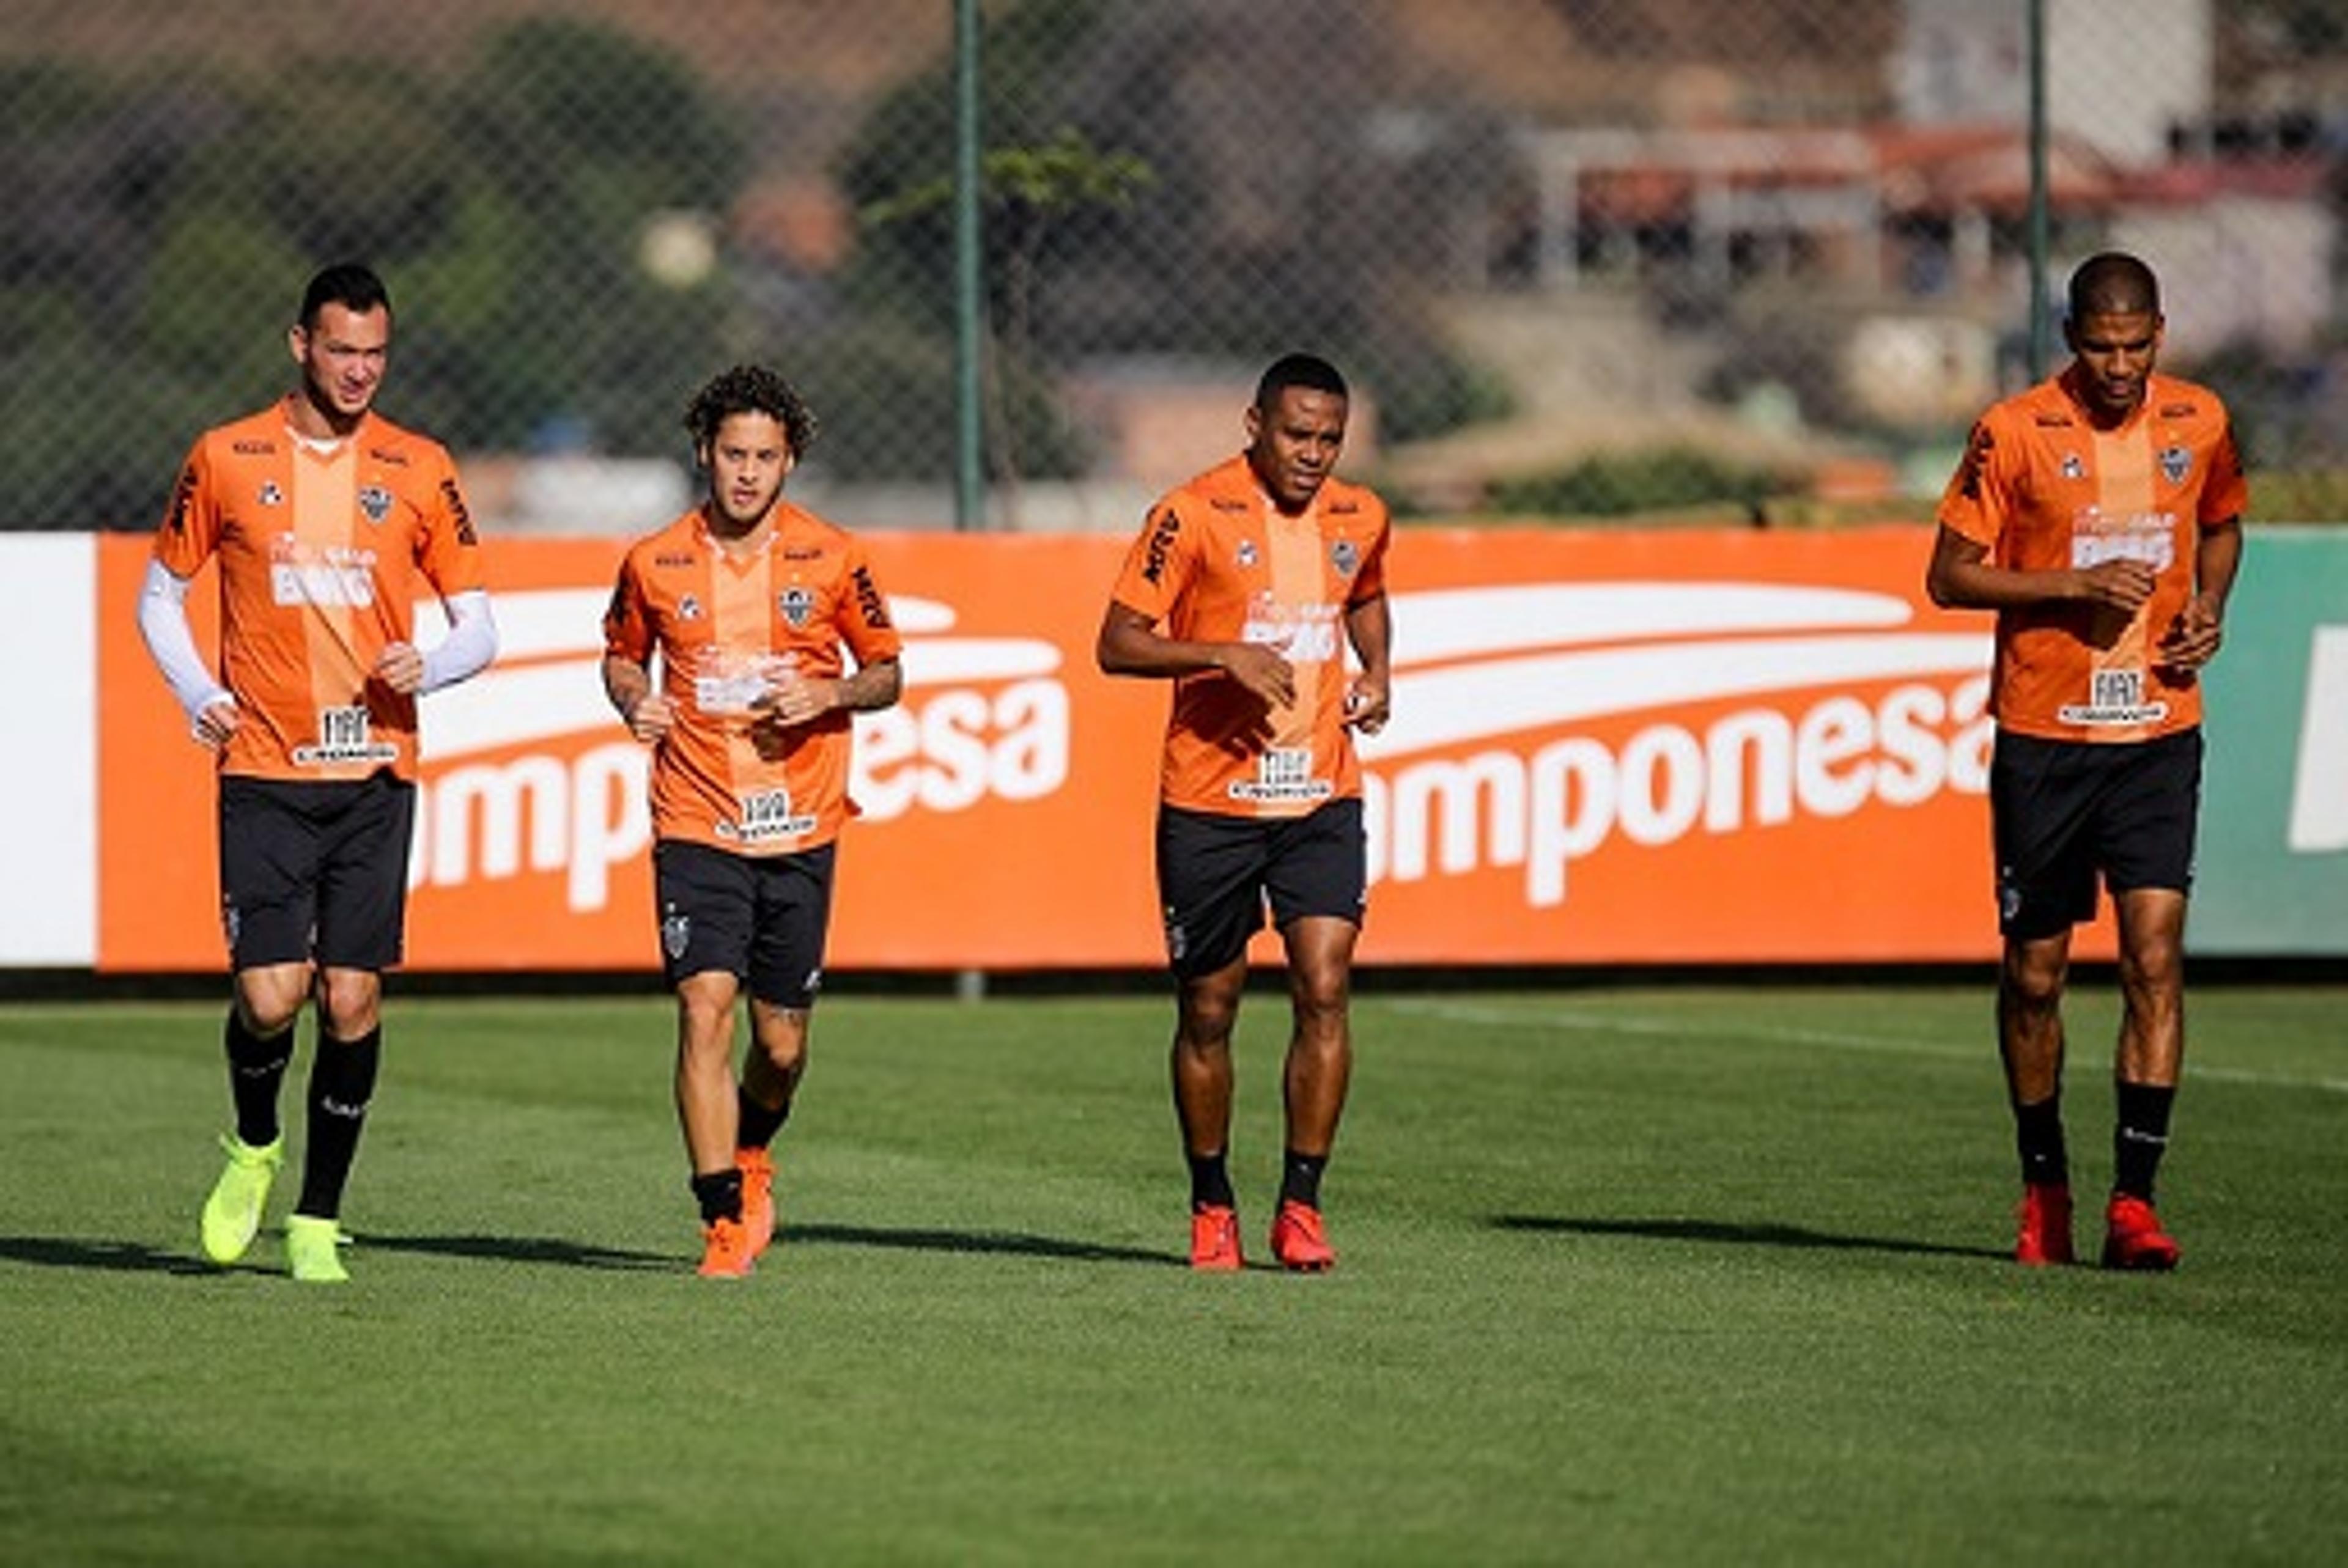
{"type": "Point", "coordinates": [759, 918]}
{"type": "Point", "coordinates": [315, 871]}
{"type": "Point", "coordinates": [2063, 812]}
{"type": "Point", "coordinates": [1216, 874]}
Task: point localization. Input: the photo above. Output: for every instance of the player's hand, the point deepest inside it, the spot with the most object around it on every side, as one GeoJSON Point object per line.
{"type": "Point", "coordinates": [217, 722]}
{"type": "Point", "coordinates": [401, 667]}
{"type": "Point", "coordinates": [2192, 639]}
{"type": "Point", "coordinates": [2121, 584]}
{"type": "Point", "coordinates": [1367, 704]}
{"type": "Point", "coordinates": [798, 700]}
{"type": "Point", "coordinates": [1261, 672]}
{"type": "Point", "coordinates": [651, 718]}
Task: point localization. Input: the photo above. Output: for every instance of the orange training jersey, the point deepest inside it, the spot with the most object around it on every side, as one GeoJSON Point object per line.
{"type": "Point", "coordinates": [320, 547]}
{"type": "Point", "coordinates": [1217, 562]}
{"type": "Point", "coordinates": [2044, 489]}
{"type": "Point", "coordinates": [728, 630]}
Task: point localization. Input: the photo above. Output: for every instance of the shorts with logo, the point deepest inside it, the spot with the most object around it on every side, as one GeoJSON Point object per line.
{"type": "Point", "coordinates": [316, 872]}
{"type": "Point", "coordinates": [1217, 874]}
{"type": "Point", "coordinates": [2063, 812]}
{"type": "Point", "coordinates": [759, 918]}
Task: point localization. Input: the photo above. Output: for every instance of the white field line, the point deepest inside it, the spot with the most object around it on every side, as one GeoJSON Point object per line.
{"type": "Point", "coordinates": [1565, 1019]}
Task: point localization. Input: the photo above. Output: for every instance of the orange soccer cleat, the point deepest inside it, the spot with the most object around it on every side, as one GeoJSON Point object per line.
{"type": "Point", "coordinates": [2042, 1232]}
{"type": "Point", "coordinates": [725, 1250]}
{"type": "Point", "coordinates": [758, 1168]}
{"type": "Point", "coordinates": [1215, 1239]}
{"type": "Point", "coordinates": [1298, 1240]}
{"type": "Point", "coordinates": [2133, 1237]}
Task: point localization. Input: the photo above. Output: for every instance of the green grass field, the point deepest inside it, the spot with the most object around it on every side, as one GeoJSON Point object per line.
{"type": "Point", "coordinates": [1669, 1274]}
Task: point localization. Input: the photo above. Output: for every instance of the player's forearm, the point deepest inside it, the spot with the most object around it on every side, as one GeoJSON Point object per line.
{"type": "Point", "coordinates": [873, 686]}
{"type": "Point", "coordinates": [470, 645]}
{"type": "Point", "coordinates": [2216, 561]}
{"type": "Point", "coordinates": [1369, 626]}
{"type": "Point", "coordinates": [171, 644]}
{"type": "Point", "coordinates": [1131, 646]}
{"type": "Point", "coordinates": [627, 683]}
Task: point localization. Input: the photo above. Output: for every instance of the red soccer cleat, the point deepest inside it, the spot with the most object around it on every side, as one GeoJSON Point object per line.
{"type": "Point", "coordinates": [758, 1168]}
{"type": "Point", "coordinates": [2043, 1235]}
{"type": "Point", "coordinates": [1298, 1240]}
{"type": "Point", "coordinates": [725, 1250]}
{"type": "Point", "coordinates": [1215, 1239]}
{"type": "Point", "coordinates": [2133, 1237]}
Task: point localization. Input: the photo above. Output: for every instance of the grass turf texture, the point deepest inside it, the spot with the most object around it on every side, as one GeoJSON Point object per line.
{"type": "Point", "coordinates": [1687, 1274]}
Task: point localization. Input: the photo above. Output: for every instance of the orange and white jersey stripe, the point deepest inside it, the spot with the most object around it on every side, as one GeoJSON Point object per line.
{"type": "Point", "coordinates": [320, 548]}
{"type": "Point", "coordinates": [2044, 490]}
{"type": "Point", "coordinates": [728, 628]}
{"type": "Point", "coordinates": [1218, 562]}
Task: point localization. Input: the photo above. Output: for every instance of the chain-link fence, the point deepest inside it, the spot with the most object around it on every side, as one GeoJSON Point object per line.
{"type": "Point", "coordinates": [1580, 256]}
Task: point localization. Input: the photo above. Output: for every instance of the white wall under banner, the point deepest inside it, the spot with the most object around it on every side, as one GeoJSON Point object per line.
{"type": "Point", "coordinates": [48, 779]}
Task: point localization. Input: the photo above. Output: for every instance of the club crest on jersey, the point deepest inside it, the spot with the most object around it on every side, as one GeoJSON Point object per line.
{"type": "Point", "coordinates": [688, 608]}
{"type": "Point", "coordinates": [1345, 556]}
{"type": "Point", "coordinates": [2176, 462]}
{"type": "Point", "coordinates": [271, 496]}
{"type": "Point", "coordinates": [796, 604]}
{"type": "Point", "coordinates": [374, 501]}
{"type": "Point", "coordinates": [2072, 467]}
{"type": "Point", "coordinates": [1246, 552]}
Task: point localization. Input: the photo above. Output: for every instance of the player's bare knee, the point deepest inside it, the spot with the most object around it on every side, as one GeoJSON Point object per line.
{"type": "Point", "coordinates": [350, 1002]}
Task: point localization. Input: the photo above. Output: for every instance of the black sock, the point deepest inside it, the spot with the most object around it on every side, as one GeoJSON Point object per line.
{"type": "Point", "coordinates": [2140, 1136]}
{"type": "Point", "coordinates": [256, 1067]}
{"type": "Point", "coordinates": [2038, 1137]}
{"type": "Point", "coordinates": [342, 1082]}
{"type": "Point", "coordinates": [760, 1123]}
{"type": "Point", "coordinates": [1299, 1178]}
{"type": "Point", "coordinates": [1210, 1181]}
{"type": "Point", "coordinates": [719, 1194]}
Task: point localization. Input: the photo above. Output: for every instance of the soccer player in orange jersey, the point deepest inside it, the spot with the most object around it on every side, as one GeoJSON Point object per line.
{"type": "Point", "coordinates": [2098, 513]}
{"type": "Point", "coordinates": [1245, 588]}
{"type": "Point", "coordinates": [753, 608]}
{"type": "Point", "coordinates": [325, 519]}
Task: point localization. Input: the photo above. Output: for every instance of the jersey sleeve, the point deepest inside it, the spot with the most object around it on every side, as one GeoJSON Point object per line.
{"type": "Point", "coordinates": [1980, 496]}
{"type": "Point", "coordinates": [863, 614]}
{"type": "Point", "coordinates": [448, 549]}
{"type": "Point", "coordinates": [190, 528]}
{"type": "Point", "coordinates": [1160, 563]}
{"type": "Point", "coordinates": [2227, 496]}
{"type": "Point", "coordinates": [627, 622]}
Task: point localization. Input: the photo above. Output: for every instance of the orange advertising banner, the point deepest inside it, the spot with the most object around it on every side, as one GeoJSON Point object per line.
{"type": "Point", "coordinates": [1666, 747]}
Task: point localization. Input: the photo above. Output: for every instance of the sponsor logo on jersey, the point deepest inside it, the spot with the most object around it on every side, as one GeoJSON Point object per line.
{"type": "Point", "coordinates": [1164, 529]}
{"type": "Point", "coordinates": [869, 600]}
{"type": "Point", "coordinates": [452, 498]}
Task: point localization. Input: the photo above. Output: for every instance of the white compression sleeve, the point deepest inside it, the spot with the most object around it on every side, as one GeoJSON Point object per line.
{"type": "Point", "coordinates": [471, 642]}
{"type": "Point", "coordinates": [164, 623]}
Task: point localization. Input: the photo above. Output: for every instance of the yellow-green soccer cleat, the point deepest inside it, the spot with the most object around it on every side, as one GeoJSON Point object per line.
{"type": "Point", "coordinates": [233, 1213]}
{"type": "Point", "coordinates": [310, 1250]}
